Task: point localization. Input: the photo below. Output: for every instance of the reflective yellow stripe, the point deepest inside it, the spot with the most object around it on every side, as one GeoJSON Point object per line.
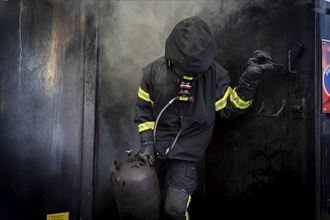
{"type": "Point", "coordinates": [234, 98]}
{"type": "Point", "coordinates": [149, 125]}
{"type": "Point", "coordinates": [238, 102]}
{"type": "Point", "coordinates": [144, 95]}
{"type": "Point", "coordinates": [181, 98]}
{"type": "Point", "coordinates": [187, 214]}
{"type": "Point", "coordinates": [221, 103]}
{"type": "Point", "coordinates": [188, 77]}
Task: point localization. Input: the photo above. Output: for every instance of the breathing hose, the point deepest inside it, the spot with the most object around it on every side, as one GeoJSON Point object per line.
{"type": "Point", "coordinates": [184, 95]}
{"type": "Point", "coordinates": [156, 123]}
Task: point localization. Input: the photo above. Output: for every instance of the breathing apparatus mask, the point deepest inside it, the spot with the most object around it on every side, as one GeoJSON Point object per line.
{"type": "Point", "coordinates": [186, 84]}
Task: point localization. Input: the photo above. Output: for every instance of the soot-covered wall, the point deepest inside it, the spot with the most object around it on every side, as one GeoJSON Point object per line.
{"type": "Point", "coordinates": [258, 167]}
{"type": "Point", "coordinates": [54, 83]}
{"type": "Point", "coordinates": [47, 89]}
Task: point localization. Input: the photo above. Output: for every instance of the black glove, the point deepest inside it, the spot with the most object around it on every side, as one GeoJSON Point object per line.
{"type": "Point", "coordinates": [147, 153]}
{"type": "Point", "coordinates": [256, 65]}
{"type": "Point", "coordinates": [260, 57]}
{"type": "Point", "coordinates": [253, 73]}
{"type": "Point", "coordinates": [251, 76]}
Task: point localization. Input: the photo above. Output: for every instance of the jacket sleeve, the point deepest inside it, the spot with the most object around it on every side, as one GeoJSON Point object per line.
{"type": "Point", "coordinates": [143, 116]}
{"type": "Point", "coordinates": [232, 101]}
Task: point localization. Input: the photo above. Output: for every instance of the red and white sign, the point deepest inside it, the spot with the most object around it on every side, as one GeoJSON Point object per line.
{"type": "Point", "coordinates": [325, 76]}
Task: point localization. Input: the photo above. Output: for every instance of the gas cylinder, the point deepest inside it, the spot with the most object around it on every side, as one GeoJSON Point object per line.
{"type": "Point", "coordinates": [136, 189]}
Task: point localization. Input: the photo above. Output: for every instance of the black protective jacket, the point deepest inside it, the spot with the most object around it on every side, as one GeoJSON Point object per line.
{"type": "Point", "coordinates": [190, 48]}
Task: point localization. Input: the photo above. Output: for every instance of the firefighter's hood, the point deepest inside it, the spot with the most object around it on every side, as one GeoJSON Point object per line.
{"type": "Point", "coordinates": [191, 45]}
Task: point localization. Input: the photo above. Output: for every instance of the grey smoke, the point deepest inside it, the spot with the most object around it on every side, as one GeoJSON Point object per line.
{"type": "Point", "coordinates": [133, 33]}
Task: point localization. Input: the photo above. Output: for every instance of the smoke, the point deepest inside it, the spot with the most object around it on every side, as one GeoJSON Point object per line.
{"type": "Point", "coordinates": [136, 30]}
{"type": "Point", "coordinates": [133, 34]}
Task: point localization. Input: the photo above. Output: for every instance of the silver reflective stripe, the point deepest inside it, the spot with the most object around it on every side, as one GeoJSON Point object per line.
{"type": "Point", "coordinates": [237, 101]}
{"type": "Point", "coordinates": [149, 125]}
{"type": "Point", "coordinates": [144, 95]}
{"type": "Point", "coordinates": [234, 98]}
{"type": "Point", "coordinates": [221, 103]}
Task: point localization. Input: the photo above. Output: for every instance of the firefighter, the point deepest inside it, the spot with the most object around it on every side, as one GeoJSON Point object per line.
{"type": "Point", "coordinates": [178, 97]}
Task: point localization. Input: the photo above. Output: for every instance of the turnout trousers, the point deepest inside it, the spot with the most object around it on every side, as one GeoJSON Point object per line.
{"type": "Point", "coordinates": [178, 181]}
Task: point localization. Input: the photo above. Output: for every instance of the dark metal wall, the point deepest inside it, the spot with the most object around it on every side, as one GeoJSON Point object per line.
{"type": "Point", "coordinates": [47, 86]}
{"type": "Point", "coordinates": [324, 33]}
{"type": "Point", "coordinates": [256, 167]}
{"type": "Point", "coordinates": [58, 93]}
{"type": "Point", "coordinates": [325, 140]}
{"type": "Point", "coordinates": [263, 167]}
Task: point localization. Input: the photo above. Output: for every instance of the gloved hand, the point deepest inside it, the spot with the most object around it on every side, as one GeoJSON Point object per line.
{"type": "Point", "coordinates": [259, 57]}
{"type": "Point", "coordinates": [251, 76]}
{"type": "Point", "coordinates": [147, 153]}
{"type": "Point", "coordinates": [256, 65]}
